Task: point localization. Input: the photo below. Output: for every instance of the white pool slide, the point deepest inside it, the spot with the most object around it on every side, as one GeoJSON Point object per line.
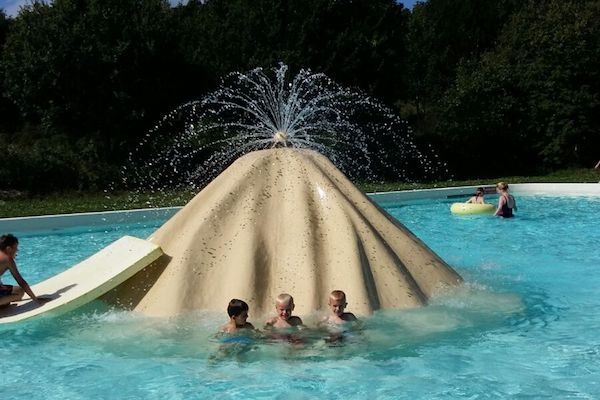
{"type": "Point", "coordinates": [87, 280]}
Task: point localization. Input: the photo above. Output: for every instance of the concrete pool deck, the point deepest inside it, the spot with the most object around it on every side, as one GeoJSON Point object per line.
{"type": "Point", "coordinates": [62, 221]}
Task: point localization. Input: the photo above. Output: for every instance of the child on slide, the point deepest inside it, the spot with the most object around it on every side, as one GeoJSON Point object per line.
{"type": "Point", "coordinates": [9, 246]}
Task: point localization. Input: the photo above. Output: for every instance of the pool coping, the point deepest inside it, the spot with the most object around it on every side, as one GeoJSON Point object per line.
{"type": "Point", "coordinates": [569, 189]}
{"type": "Point", "coordinates": [61, 221]}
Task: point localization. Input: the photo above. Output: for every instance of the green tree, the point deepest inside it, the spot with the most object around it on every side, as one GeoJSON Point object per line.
{"type": "Point", "coordinates": [90, 67]}
{"type": "Point", "coordinates": [359, 43]}
{"type": "Point", "coordinates": [89, 77]}
{"type": "Point", "coordinates": [8, 111]}
{"type": "Point", "coordinates": [533, 103]}
{"type": "Point", "coordinates": [445, 32]}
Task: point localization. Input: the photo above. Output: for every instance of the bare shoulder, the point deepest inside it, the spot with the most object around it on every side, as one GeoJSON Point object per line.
{"type": "Point", "coordinates": [8, 263]}
{"type": "Point", "coordinates": [271, 322]}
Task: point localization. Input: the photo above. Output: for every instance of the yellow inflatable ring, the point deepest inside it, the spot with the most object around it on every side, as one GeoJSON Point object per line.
{"type": "Point", "coordinates": [471, 209]}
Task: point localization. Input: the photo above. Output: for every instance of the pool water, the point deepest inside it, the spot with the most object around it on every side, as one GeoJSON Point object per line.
{"type": "Point", "coordinates": [524, 324]}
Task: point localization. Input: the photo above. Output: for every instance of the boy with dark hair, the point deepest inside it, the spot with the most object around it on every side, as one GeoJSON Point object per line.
{"type": "Point", "coordinates": [9, 246]}
{"type": "Point", "coordinates": [238, 314]}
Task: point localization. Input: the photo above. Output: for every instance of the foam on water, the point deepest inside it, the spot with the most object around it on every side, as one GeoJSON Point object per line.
{"type": "Point", "coordinates": [524, 325]}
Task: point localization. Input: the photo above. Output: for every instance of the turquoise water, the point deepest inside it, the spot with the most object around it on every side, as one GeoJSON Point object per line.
{"type": "Point", "coordinates": [525, 325]}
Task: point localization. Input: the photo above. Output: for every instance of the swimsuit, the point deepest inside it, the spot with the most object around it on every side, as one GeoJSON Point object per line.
{"type": "Point", "coordinates": [506, 211]}
{"type": "Point", "coordinates": [6, 290]}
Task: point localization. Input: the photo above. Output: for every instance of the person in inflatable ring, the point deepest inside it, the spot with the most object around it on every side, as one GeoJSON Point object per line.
{"type": "Point", "coordinates": [477, 197]}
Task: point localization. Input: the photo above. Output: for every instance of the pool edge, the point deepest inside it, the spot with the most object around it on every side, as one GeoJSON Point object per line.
{"type": "Point", "coordinates": [58, 221]}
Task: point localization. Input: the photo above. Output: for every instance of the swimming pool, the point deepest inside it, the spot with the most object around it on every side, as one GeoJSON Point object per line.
{"type": "Point", "coordinates": [524, 325]}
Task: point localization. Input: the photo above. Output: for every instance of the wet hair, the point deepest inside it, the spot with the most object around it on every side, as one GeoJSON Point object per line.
{"type": "Point", "coordinates": [8, 240]}
{"type": "Point", "coordinates": [338, 295]}
{"type": "Point", "coordinates": [236, 307]}
{"type": "Point", "coordinates": [479, 190]}
{"type": "Point", "coordinates": [285, 298]}
{"type": "Point", "coordinates": [502, 185]}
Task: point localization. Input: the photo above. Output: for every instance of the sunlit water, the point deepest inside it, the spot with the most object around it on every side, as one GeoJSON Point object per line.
{"type": "Point", "coordinates": [525, 325]}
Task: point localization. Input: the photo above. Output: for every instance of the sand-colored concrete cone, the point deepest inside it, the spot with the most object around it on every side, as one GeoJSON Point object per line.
{"type": "Point", "coordinates": [286, 220]}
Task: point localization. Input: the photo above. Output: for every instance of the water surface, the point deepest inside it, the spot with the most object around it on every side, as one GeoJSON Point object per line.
{"type": "Point", "coordinates": [524, 325]}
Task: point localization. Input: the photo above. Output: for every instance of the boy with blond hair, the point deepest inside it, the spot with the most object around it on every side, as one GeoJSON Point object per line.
{"type": "Point", "coordinates": [284, 304]}
{"type": "Point", "coordinates": [337, 305]}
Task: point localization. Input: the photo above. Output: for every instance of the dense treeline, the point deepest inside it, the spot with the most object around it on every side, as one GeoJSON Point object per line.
{"type": "Point", "coordinates": [496, 86]}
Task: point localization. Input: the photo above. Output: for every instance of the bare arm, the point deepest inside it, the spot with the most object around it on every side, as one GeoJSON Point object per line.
{"type": "Point", "coordinates": [269, 324]}
{"type": "Point", "coordinates": [501, 202]}
{"type": "Point", "coordinates": [12, 266]}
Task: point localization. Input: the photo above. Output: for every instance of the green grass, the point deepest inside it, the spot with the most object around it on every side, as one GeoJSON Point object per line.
{"type": "Point", "coordinates": [77, 202]}
{"type": "Point", "coordinates": [16, 205]}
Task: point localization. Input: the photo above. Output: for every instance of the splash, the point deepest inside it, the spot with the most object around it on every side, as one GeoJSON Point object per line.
{"type": "Point", "coordinates": [266, 108]}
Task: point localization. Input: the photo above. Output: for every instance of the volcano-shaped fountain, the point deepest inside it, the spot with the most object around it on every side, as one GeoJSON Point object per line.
{"type": "Point", "coordinates": [281, 218]}
{"type": "Point", "coordinates": [285, 220]}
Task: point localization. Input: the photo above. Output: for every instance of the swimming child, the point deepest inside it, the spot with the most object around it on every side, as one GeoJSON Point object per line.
{"type": "Point", "coordinates": [284, 304]}
{"type": "Point", "coordinates": [477, 197]}
{"type": "Point", "coordinates": [238, 314]}
{"type": "Point", "coordinates": [337, 305]}
{"type": "Point", "coordinates": [506, 202]}
{"type": "Point", "coordinates": [9, 246]}
{"type": "Point", "coordinates": [338, 323]}
{"type": "Point", "coordinates": [237, 337]}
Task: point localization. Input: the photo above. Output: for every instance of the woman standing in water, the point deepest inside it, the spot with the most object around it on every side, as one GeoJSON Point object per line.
{"type": "Point", "coordinates": [506, 202]}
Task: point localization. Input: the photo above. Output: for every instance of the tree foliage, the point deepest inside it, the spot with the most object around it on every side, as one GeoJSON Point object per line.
{"type": "Point", "coordinates": [445, 32]}
{"type": "Point", "coordinates": [359, 43]}
{"type": "Point", "coordinates": [89, 67]}
{"type": "Point", "coordinates": [8, 110]}
{"type": "Point", "coordinates": [497, 86]}
{"type": "Point", "coordinates": [533, 102]}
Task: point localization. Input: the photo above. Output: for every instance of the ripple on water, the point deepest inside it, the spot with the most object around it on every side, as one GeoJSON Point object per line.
{"type": "Point", "coordinates": [524, 325]}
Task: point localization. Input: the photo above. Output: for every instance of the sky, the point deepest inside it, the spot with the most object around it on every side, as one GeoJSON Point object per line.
{"type": "Point", "coordinates": [11, 7]}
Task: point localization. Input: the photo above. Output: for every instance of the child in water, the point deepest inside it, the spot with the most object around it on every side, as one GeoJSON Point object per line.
{"type": "Point", "coordinates": [337, 323]}
{"type": "Point", "coordinates": [9, 246]}
{"type": "Point", "coordinates": [285, 326]}
{"type": "Point", "coordinates": [238, 314]}
{"type": "Point", "coordinates": [284, 304]}
{"type": "Point", "coordinates": [337, 305]}
{"type": "Point", "coordinates": [477, 197]}
{"type": "Point", "coordinates": [237, 335]}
